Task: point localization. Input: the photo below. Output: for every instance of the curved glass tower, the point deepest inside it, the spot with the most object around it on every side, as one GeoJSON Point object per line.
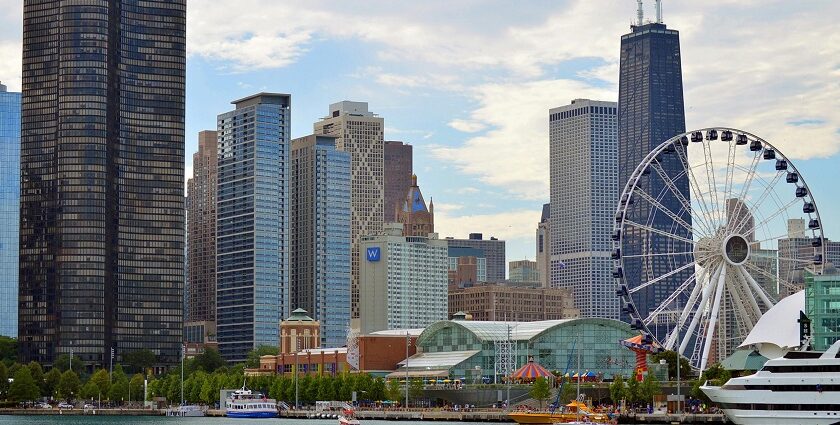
{"type": "Point", "coordinates": [102, 179]}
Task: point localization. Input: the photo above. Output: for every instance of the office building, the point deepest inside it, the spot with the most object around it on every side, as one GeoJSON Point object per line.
{"type": "Point", "coordinates": [650, 111]}
{"type": "Point", "coordinates": [252, 234]}
{"type": "Point", "coordinates": [467, 266]}
{"type": "Point", "coordinates": [493, 250]}
{"type": "Point", "coordinates": [822, 295]}
{"type": "Point", "coordinates": [584, 192]}
{"type": "Point", "coordinates": [412, 213]}
{"type": "Point", "coordinates": [360, 133]}
{"type": "Point", "coordinates": [543, 247]}
{"type": "Point", "coordinates": [102, 186]}
{"type": "Point", "coordinates": [398, 171]}
{"type": "Point", "coordinates": [491, 301]}
{"type": "Point", "coordinates": [523, 271]}
{"type": "Point", "coordinates": [9, 210]}
{"type": "Point", "coordinates": [320, 220]}
{"type": "Point", "coordinates": [795, 252]}
{"type": "Point", "coordinates": [201, 242]}
{"type": "Point", "coordinates": [403, 280]}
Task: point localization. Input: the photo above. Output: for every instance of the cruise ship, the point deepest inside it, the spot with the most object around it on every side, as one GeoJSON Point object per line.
{"type": "Point", "coordinates": [246, 404]}
{"type": "Point", "coordinates": [802, 387]}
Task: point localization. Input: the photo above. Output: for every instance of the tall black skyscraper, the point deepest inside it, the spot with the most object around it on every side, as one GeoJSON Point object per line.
{"type": "Point", "coordinates": [102, 179]}
{"type": "Point", "coordinates": [651, 111]}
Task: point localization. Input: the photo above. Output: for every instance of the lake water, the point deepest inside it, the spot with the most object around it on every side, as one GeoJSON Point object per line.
{"type": "Point", "coordinates": [155, 420]}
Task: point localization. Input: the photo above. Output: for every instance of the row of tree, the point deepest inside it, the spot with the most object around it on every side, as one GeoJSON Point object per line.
{"type": "Point", "coordinates": [29, 382]}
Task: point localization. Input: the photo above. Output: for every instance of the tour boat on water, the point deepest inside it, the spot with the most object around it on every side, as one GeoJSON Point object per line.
{"type": "Point", "coordinates": [348, 417]}
{"type": "Point", "coordinates": [802, 387]}
{"type": "Point", "coordinates": [246, 404]}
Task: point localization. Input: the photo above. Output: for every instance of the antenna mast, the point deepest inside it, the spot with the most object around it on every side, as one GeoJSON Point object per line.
{"type": "Point", "coordinates": [658, 11]}
{"type": "Point", "coordinates": [640, 14]}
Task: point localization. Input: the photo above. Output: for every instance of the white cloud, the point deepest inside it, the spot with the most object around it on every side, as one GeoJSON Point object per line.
{"type": "Point", "coordinates": [467, 126]}
{"type": "Point", "coordinates": [508, 225]}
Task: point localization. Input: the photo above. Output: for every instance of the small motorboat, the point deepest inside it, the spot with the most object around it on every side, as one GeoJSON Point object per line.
{"type": "Point", "coordinates": [348, 417]}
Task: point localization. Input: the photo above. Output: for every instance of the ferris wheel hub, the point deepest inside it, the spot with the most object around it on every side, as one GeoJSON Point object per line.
{"type": "Point", "coordinates": [736, 250]}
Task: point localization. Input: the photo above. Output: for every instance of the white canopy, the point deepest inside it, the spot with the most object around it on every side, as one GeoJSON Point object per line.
{"type": "Point", "coordinates": [777, 332]}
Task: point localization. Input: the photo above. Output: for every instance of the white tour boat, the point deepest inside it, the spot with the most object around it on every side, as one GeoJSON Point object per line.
{"type": "Point", "coordinates": [802, 387]}
{"type": "Point", "coordinates": [243, 403]}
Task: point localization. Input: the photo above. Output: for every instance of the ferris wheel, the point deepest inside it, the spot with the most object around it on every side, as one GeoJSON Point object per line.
{"type": "Point", "coordinates": [712, 229]}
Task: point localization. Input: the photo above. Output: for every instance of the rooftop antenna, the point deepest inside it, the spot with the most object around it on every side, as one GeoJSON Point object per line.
{"type": "Point", "coordinates": [640, 14]}
{"type": "Point", "coordinates": [658, 11]}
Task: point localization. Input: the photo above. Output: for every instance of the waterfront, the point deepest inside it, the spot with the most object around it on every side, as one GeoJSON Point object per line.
{"type": "Point", "coordinates": [154, 420]}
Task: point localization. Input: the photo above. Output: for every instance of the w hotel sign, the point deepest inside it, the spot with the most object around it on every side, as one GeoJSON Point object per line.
{"type": "Point", "coordinates": [373, 253]}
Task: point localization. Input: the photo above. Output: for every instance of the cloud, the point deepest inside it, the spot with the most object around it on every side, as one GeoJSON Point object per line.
{"type": "Point", "coordinates": [507, 225]}
{"type": "Point", "coordinates": [466, 126]}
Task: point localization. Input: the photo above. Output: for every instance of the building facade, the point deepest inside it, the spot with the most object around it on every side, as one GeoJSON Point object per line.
{"type": "Point", "coordinates": [467, 266]}
{"type": "Point", "coordinates": [9, 210]}
{"type": "Point", "coordinates": [320, 220]}
{"type": "Point", "coordinates": [361, 133]}
{"type": "Point", "coordinates": [403, 280]}
{"type": "Point", "coordinates": [398, 171]}
{"type": "Point", "coordinates": [494, 252]}
{"type": "Point", "coordinates": [252, 234]}
{"type": "Point", "coordinates": [543, 246]}
{"type": "Point", "coordinates": [519, 304]}
{"type": "Point", "coordinates": [412, 213]}
{"type": "Point", "coordinates": [523, 271]}
{"type": "Point", "coordinates": [822, 306]}
{"type": "Point", "coordinates": [102, 179]}
{"type": "Point", "coordinates": [201, 231]}
{"type": "Point", "coordinates": [650, 111]}
{"type": "Point", "coordinates": [584, 192]}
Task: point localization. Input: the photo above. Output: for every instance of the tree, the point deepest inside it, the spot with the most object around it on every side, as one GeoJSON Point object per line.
{"type": "Point", "coordinates": [253, 360]}
{"type": "Point", "coordinates": [23, 388]}
{"type": "Point", "coordinates": [119, 385]}
{"type": "Point", "coordinates": [89, 391]}
{"type": "Point", "coordinates": [140, 360]}
{"type": "Point", "coordinates": [377, 390]}
{"type": "Point", "coordinates": [617, 389]}
{"type": "Point", "coordinates": [4, 380]}
{"type": "Point", "coordinates": [715, 375]}
{"type": "Point", "coordinates": [8, 350]}
{"type": "Point", "coordinates": [671, 358]}
{"type": "Point", "coordinates": [540, 390]}
{"type": "Point", "coordinates": [102, 381]}
{"type": "Point", "coordinates": [631, 392]}
{"type": "Point", "coordinates": [136, 386]}
{"type": "Point", "coordinates": [415, 389]}
{"type": "Point", "coordinates": [63, 361]}
{"type": "Point", "coordinates": [50, 384]}
{"type": "Point", "coordinates": [395, 390]}
{"type": "Point", "coordinates": [37, 375]}
{"type": "Point", "coordinates": [68, 385]}
{"type": "Point", "coordinates": [649, 388]}
{"type": "Point", "coordinates": [209, 361]}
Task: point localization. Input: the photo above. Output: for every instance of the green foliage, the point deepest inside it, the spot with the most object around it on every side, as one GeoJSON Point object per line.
{"type": "Point", "coordinates": [540, 390]}
{"type": "Point", "coordinates": [253, 360]}
{"type": "Point", "coordinates": [89, 391]}
{"type": "Point", "coordinates": [24, 387]}
{"type": "Point", "coordinates": [671, 358]}
{"type": "Point", "coordinates": [140, 360]}
{"type": "Point", "coordinates": [136, 386]}
{"type": "Point", "coordinates": [617, 389]}
{"type": "Point", "coordinates": [119, 385]}
{"type": "Point", "coordinates": [50, 383]}
{"type": "Point", "coordinates": [394, 390]}
{"type": "Point", "coordinates": [649, 388]}
{"type": "Point", "coordinates": [415, 389]}
{"type": "Point", "coordinates": [37, 375]}
{"type": "Point", "coordinates": [715, 375]}
{"type": "Point", "coordinates": [8, 350]}
{"type": "Point", "coordinates": [631, 392]}
{"type": "Point", "coordinates": [63, 361]}
{"type": "Point", "coordinates": [102, 381]}
{"type": "Point", "coordinates": [4, 380]}
{"type": "Point", "coordinates": [376, 391]}
{"type": "Point", "coordinates": [209, 361]}
{"type": "Point", "coordinates": [68, 385]}
{"type": "Point", "coordinates": [569, 392]}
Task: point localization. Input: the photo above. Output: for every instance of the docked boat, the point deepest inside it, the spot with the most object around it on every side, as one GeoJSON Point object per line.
{"type": "Point", "coordinates": [802, 387]}
{"type": "Point", "coordinates": [188, 411]}
{"type": "Point", "coordinates": [244, 403]}
{"type": "Point", "coordinates": [348, 418]}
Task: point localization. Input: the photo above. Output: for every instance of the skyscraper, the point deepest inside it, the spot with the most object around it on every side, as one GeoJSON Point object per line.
{"type": "Point", "coordinates": [359, 132]}
{"type": "Point", "coordinates": [651, 111]}
{"type": "Point", "coordinates": [494, 252]}
{"type": "Point", "coordinates": [584, 191]}
{"type": "Point", "coordinates": [102, 179]}
{"type": "Point", "coordinates": [320, 220]}
{"type": "Point", "coordinates": [416, 218]}
{"type": "Point", "coordinates": [523, 271]}
{"type": "Point", "coordinates": [201, 240]}
{"type": "Point", "coordinates": [398, 172]}
{"type": "Point", "coordinates": [252, 234]}
{"type": "Point", "coordinates": [543, 246]}
{"type": "Point", "coordinates": [9, 209]}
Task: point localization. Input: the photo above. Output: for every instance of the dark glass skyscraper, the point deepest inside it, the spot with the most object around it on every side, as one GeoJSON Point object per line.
{"type": "Point", "coordinates": [651, 111]}
{"type": "Point", "coordinates": [102, 179]}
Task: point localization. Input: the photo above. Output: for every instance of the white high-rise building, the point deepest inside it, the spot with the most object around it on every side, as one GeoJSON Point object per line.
{"type": "Point", "coordinates": [361, 133]}
{"type": "Point", "coordinates": [404, 280]}
{"type": "Point", "coordinates": [584, 193]}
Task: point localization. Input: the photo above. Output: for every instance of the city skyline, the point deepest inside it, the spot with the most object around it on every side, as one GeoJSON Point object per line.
{"type": "Point", "coordinates": [528, 59]}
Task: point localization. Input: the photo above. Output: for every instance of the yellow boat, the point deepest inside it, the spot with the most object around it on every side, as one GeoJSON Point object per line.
{"type": "Point", "coordinates": [571, 414]}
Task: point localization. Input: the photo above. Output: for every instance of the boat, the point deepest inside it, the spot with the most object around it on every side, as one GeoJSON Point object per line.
{"type": "Point", "coordinates": [188, 411]}
{"type": "Point", "coordinates": [244, 403]}
{"type": "Point", "coordinates": [802, 387]}
{"type": "Point", "coordinates": [348, 417]}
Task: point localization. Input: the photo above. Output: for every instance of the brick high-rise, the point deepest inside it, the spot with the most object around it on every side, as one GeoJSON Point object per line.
{"type": "Point", "coordinates": [398, 172]}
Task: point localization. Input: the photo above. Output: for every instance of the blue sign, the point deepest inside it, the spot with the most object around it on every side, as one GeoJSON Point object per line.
{"type": "Point", "coordinates": [373, 253]}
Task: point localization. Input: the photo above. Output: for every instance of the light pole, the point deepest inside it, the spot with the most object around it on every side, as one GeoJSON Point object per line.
{"type": "Point", "coordinates": [296, 372]}
{"type": "Point", "coordinates": [407, 343]}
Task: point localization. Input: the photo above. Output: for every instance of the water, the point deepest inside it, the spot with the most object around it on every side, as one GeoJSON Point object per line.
{"type": "Point", "coordinates": [155, 420]}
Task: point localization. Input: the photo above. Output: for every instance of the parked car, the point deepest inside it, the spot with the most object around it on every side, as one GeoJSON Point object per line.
{"type": "Point", "coordinates": [65, 406]}
{"type": "Point", "coordinates": [89, 406]}
{"type": "Point", "coordinates": [44, 406]}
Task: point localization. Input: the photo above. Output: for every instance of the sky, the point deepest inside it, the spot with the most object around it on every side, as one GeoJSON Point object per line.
{"type": "Point", "coordinates": [469, 83]}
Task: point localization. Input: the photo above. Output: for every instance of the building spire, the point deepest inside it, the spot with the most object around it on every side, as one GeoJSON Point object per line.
{"type": "Point", "coordinates": [640, 13]}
